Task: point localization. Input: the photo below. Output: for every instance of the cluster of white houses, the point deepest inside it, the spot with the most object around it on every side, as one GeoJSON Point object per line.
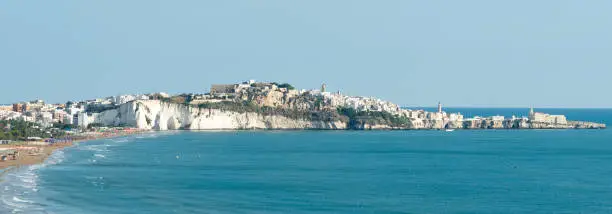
{"type": "Point", "coordinates": [83, 113]}
{"type": "Point", "coordinates": [419, 118]}
{"type": "Point", "coordinates": [75, 113]}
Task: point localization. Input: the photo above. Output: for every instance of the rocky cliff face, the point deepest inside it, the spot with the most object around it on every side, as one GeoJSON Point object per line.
{"type": "Point", "coordinates": [158, 115]}
{"type": "Point", "coordinates": [517, 123]}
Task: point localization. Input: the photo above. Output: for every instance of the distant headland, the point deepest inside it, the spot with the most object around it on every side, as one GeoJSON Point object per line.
{"type": "Point", "coordinates": [264, 105]}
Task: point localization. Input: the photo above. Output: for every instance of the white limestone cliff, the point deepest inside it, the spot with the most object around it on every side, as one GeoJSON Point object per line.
{"type": "Point", "coordinates": [158, 115]}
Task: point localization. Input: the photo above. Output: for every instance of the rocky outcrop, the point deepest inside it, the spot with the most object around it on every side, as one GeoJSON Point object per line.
{"type": "Point", "coordinates": [485, 123]}
{"type": "Point", "coordinates": [586, 125]}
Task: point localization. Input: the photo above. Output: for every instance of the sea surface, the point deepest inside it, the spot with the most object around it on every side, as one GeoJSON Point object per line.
{"type": "Point", "coordinates": [465, 171]}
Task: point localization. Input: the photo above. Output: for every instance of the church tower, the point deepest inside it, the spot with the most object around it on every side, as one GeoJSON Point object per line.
{"type": "Point", "coordinates": [439, 107]}
{"type": "Point", "coordinates": [323, 87]}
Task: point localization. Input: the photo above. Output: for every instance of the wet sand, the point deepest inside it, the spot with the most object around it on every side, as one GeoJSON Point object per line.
{"type": "Point", "coordinates": [30, 154]}
{"type": "Point", "coordinates": [35, 154]}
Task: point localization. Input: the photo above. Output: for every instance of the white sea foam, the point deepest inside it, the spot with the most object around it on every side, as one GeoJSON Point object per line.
{"type": "Point", "coordinates": [15, 198]}
{"type": "Point", "coordinates": [13, 205]}
{"type": "Point", "coordinates": [121, 141]}
{"type": "Point", "coordinates": [55, 158]}
{"type": "Point", "coordinates": [19, 187]}
{"type": "Point", "coordinates": [96, 148]}
{"type": "Point", "coordinates": [156, 134]}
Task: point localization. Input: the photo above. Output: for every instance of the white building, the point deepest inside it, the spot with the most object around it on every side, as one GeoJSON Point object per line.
{"type": "Point", "coordinates": [73, 111]}
{"type": "Point", "coordinates": [435, 116]}
{"type": "Point", "coordinates": [124, 99]}
{"type": "Point", "coordinates": [45, 118]}
{"type": "Point", "coordinates": [68, 119]}
{"type": "Point", "coordinates": [497, 118]}
{"type": "Point", "coordinates": [455, 117]}
{"type": "Point", "coordinates": [142, 97]}
{"type": "Point", "coordinates": [546, 118]}
{"type": "Point", "coordinates": [84, 119]}
{"type": "Point", "coordinates": [9, 115]}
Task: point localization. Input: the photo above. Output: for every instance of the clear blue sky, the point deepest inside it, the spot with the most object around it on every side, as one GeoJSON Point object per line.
{"type": "Point", "coordinates": [548, 53]}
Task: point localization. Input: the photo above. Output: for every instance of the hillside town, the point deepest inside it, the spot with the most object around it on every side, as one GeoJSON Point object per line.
{"type": "Point", "coordinates": [79, 115]}
{"type": "Point", "coordinates": [30, 131]}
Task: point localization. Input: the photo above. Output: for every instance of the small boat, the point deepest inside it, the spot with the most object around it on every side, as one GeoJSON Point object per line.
{"type": "Point", "coordinates": [449, 130]}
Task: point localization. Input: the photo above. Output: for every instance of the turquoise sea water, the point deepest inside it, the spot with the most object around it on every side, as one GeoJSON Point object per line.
{"type": "Point", "coordinates": [466, 171]}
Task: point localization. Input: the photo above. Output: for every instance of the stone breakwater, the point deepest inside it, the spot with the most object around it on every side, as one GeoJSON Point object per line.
{"type": "Point", "coordinates": [159, 115]}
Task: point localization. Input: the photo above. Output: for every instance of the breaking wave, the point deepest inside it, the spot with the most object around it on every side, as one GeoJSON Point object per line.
{"type": "Point", "coordinates": [19, 187]}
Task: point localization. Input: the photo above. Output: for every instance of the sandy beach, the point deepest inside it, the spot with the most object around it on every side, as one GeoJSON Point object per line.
{"type": "Point", "coordinates": [30, 153]}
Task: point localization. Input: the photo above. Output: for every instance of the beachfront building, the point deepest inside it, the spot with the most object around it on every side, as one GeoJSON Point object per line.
{"type": "Point", "coordinates": [70, 110]}
{"type": "Point", "coordinates": [45, 117]}
{"type": "Point", "coordinates": [68, 119]}
{"type": "Point", "coordinates": [58, 115]}
{"type": "Point", "coordinates": [83, 119]}
{"type": "Point", "coordinates": [75, 119]}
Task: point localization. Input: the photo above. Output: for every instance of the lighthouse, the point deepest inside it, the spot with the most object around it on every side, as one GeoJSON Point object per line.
{"type": "Point", "coordinates": [439, 107]}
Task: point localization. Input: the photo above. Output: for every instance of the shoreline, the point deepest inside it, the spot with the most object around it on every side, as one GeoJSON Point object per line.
{"type": "Point", "coordinates": [41, 155]}
{"type": "Point", "coordinates": [38, 154]}
{"type": "Point", "coordinates": [43, 152]}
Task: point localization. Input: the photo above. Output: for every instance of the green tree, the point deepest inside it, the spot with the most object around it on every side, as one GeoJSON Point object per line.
{"type": "Point", "coordinates": [284, 85]}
